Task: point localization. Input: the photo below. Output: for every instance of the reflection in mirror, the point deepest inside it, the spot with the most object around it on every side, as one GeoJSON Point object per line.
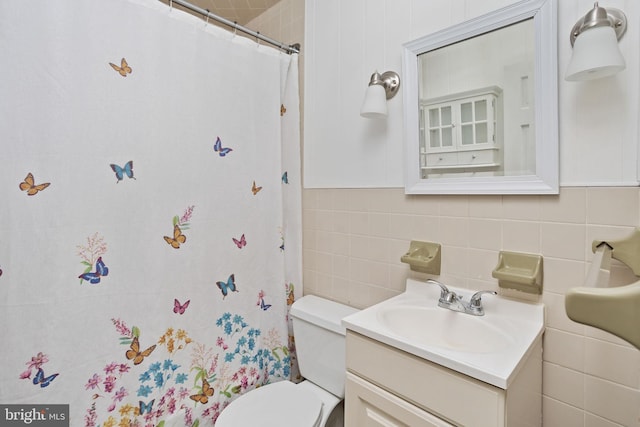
{"type": "Point", "coordinates": [481, 105]}
{"type": "Point", "coordinates": [476, 112]}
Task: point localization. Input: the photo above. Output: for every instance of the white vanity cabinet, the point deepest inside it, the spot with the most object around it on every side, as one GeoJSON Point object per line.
{"type": "Point", "coordinates": [390, 387]}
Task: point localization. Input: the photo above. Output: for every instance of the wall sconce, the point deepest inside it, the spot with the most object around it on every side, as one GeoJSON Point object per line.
{"type": "Point", "coordinates": [381, 88]}
{"type": "Point", "coordinates": [595, 44]}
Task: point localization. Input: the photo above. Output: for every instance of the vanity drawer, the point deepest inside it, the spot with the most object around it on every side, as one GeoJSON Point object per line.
{"type": "Point", "coordinates": [453, 396]}
{"type": "Point", "coordinates": [369, 405]}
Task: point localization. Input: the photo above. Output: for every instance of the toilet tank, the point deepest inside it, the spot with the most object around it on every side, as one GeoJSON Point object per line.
{"type": "Point", "coordinates": [320, 341]}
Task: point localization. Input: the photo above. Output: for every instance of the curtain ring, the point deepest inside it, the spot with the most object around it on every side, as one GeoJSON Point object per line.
{"type": "Point", "coordinates": [170, 5]}
{"type": "Point", "coordinates": [206, 22]}
{"type": "Point", "coordinates": [235, 28]}
{"type": "Point", "coordinates": [258, 38]}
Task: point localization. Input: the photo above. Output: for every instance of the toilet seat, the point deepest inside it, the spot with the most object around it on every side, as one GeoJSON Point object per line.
{"type": "Point", "coordinates": [274, 405]}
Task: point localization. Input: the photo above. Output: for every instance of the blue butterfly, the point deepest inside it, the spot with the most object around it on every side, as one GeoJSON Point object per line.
{"type": "Point", "coordinates": [221, 151]}
{"type": "Point", "coordinates": [40, 378]}
{"type": "Point", "coordinates": [264, 306]}
{"type": "Point", "coordinates": [101, 270]}
{"type": "Point", "coordinates": [121, 172]}
{"type": "Point", "coordinates": [285, 177]}
{"type": "Point", "coordinates": [148, 407]}
{"type": "Point", "coordinates": [230, 285]}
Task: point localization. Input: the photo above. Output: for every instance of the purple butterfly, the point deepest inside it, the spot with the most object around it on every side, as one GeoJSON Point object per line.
{"type": "Point", "coordinates": [264, 306]}
{"type": "Point", "coordinates": [101, 270]}
{"type": "Point", "coordinates": [42, 380]}
{"type": "Point", "coordinates": [261, 302]}
{"type": "Point", "coordinates": [218, 148]}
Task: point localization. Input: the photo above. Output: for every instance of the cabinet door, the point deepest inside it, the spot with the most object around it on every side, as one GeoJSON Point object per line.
{"type": "Point", "coordinates": [367, 405]}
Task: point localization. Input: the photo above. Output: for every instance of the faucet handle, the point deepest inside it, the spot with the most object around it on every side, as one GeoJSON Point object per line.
{"type": "Point", "coordinates": [444, 291]}
{"type": "Point", "coordinates": [476, 299]}
{"type": "Point", "coordinates": [475, 303]}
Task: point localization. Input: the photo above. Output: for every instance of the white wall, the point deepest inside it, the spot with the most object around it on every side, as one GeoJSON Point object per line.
{"type": "Point", "coordinates": [345, 41]}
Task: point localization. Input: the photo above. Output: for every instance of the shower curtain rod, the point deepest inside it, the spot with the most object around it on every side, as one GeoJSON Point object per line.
{"type": "Point", "coordinates": [293, 48]}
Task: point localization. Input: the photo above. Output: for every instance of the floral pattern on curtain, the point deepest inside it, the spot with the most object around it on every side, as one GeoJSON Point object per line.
{"type": "Point", "coordinates": [150, 242]}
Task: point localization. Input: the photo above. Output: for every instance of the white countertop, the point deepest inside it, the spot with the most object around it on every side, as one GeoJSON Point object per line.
{"type": "Point", "coordinates": [521, 322]}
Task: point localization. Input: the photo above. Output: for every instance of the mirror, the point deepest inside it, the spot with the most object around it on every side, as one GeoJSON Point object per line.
{"type": "Point", "coordinates": [481, 105]}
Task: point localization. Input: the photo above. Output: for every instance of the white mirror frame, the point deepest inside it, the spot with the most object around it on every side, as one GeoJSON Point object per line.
{"type": "Point", "coordinates": [545, 180]}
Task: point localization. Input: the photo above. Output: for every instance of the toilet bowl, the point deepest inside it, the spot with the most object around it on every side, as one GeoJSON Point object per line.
{"type": "Point", "coordinates": [281, 404]}
{"type": "Point", "coordinates": [316, 401]}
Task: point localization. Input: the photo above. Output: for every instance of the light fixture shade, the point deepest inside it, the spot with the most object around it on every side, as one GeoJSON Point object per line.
{"type": "Point", "coordinates": [595, 54]}
{"type": "Point", "coordinates": [375, 102]}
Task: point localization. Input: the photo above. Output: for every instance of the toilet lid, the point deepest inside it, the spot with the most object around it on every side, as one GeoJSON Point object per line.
{"type": "Point", "coordinates": [274, 405]}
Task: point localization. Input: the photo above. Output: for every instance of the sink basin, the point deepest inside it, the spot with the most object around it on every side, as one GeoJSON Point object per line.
{"type": "Point", "coordinates": [490, 348]}
{"type": "Point", "coordinates": [445, 328]}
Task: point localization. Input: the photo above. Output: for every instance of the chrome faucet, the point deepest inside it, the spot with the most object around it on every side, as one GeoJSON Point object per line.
{"type": "Point", "coordinates": [452, 301]}
{"type": "Point", "coordinates": [475, 303]}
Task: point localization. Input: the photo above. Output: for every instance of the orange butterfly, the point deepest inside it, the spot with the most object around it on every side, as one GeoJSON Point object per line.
{"type": "Point", "coordinates": [203, 397]}
{"type": "Point", "coordinates": [283, 109]}
{"type": "Point", "coordinates": [123, 69]}
{"type": "Point", "coordinates": [177, 239]}
{"type": "Point", "coordinates": [29, 186]}
{"type": "Point", "coordinates": [135, 354]}
{"type": "Point", "coordinates": [290, 298]}
{"type": "Point", "coordinates": [255, 189]}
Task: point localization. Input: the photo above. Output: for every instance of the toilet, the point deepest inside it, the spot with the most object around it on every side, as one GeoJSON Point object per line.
{"type": "Point", "coordinates": [316, 401]}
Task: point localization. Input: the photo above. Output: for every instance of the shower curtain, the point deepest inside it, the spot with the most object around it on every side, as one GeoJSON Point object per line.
{"type": "Point", "coordinates": [150, 233]}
